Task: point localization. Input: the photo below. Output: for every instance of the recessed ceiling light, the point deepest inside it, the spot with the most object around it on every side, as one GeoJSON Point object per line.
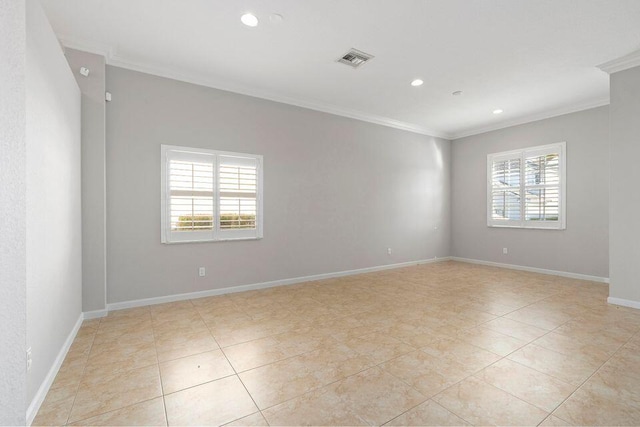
{"type": "Point", "coordinates": [498, 111]}
{"type": "Point", "coordinates": [457, 93]}
{"type": "Point", "coordinates": [249, 20]}
{"type": "Point", "coordinates": [276, 18]}
{"type": "Point", "coordinates": [417, 82]}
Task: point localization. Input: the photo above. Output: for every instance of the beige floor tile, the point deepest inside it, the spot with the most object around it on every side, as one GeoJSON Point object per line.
{"type": "Point", "coordinates": [379, 347]}
{"type": "Point", "coordinates": [97, 396]}
{"type": "Point", "coordinates": [491, 340]}
{"type": "Point", "coordinates": [573, 369]}
{"type": "Point", "coordinates": [427, 374]}
{"type": "Point", "coordinates": [553, 421]}
{"type": "Point", "coordinates": [482, 404]}
{"type": "Point", "coordinates": [176, 343]}
{"type": "Point", "coordinates": [118, 358]}
{"type": "Point", "coordinates": [267, 350]}
{"type": "Point", "coordinates": [194, 370]}
{"type": "Point", "coordinates": [215, 403]}
{"type": "Point", "coordinates": [534, 387]}
{"type": "Point", "coordinates": [321, 407]}
{"type": "Point", "coordinates": [309, 349]}
{"type": "Point", "coordinates": [280, 381]}
{"type": "Point", "coordinates": [515, 329]}
{"type": "Point", "coordinates": [371, 397]}
{"type": "Point", "coordinates": [589, 407]}
{"type": "Point", "coordinates": [428, 413]}
{"type": "Point", "coordinates": [541, 318]}
{"type": "Point", "coordinates": [54, 412]}
{"type": "Point", "coordinates": [149, 413]}
{"type": "Point", "coordinates": [471, 357]}
{"type": "Point", "coordinates": [253, 420]}
{"type": "Point", "coordinates": [571, 345]}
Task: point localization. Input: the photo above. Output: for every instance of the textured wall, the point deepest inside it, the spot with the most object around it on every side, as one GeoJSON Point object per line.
{"type": "Point", "coordinates": [54, 246]}
{"type": "Point", "coordinates": [94, 249]}
{"type": "Point", "coordinates": [625, 176]}
{"type": "Point", "coordinates": [337, 192]}
{"type": "Point", "coordinates": [12, 205]}
{"type": "Point", "coordinates": [583, 247]}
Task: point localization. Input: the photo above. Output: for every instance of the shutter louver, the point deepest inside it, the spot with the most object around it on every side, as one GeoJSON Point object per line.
{"type": "Point", "coordinates": [191, 192]}
{"type": "Point", "coordinates": [505, 194]}
{"type": "Point", "coordinates": [210, 195]}
{"type": "Point", "coordinates": [542, 187]}
{"type": "Point", "coordinates": [526, 188]}
{"type": "Point", "coordinates": [238, 193]}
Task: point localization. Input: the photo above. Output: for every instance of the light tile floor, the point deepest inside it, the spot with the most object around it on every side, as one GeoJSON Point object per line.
{"type": "Point", "coordinates": [440, 344]}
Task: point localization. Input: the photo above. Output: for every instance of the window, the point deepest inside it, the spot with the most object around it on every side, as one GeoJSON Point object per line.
{"type": "Point", "coordinates": [210, 195]}
{"type": "Point", "coordinates": [526, 188]}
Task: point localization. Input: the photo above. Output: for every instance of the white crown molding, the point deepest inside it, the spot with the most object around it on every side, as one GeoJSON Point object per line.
{"type": "Point", "coordinates": [258, 93]}
{"type": "Point", "coordinates": [97, 49]}
{"type": "Point", "coordinates": [113, 59]}
{"type": "Point", "coordinates": [623, 63]}
{"type": "Point", "coordinates": [573, 108]}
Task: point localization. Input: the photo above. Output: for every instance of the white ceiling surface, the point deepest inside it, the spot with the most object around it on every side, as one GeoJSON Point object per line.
{"type": "Point", "coordinates": [533, 58]}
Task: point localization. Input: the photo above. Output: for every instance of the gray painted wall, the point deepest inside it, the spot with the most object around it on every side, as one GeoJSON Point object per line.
{"type": "Point", "coordinates": [54, 264]}
{"type": "Point", "coordinates": [625, 176]}
{"type": "Point", "coordinates": [581, 248]}
{"type": "Point", "coordinates": [94, 250]}
{"type": "Point", "coordinates": [13, 253]}
{"type": "Point", "coordinates": [337, 192]}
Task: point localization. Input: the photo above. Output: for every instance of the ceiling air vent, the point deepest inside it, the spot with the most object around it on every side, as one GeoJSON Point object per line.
{"type": "Point", "coordinates": [355, 58]}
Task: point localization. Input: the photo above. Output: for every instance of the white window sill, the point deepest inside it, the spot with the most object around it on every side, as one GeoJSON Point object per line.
{"type": "Point", "coordinates": [212, 240]}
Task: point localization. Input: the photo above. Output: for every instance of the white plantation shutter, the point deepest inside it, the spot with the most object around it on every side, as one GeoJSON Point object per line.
{"type": "Point", "coordinates": [526, 188]}
{"type": "Point", "coordinates": [505, 189]}
{"type": "Point", "coordinates": [209, 195]}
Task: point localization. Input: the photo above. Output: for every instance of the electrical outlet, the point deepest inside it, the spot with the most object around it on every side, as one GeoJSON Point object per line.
{"type": "Point", "coordinates": [202, 272]}
{"type": "Point", "coordinates": [505, 251]}
{"type": "Point", "coordinates": [389, 251]}
{"type": "Point", "coordinates": [29, 359]}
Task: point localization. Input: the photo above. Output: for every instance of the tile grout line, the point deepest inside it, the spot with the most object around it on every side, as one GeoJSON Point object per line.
{"type": "Point", "coordinates": [155, 346]}
{"type": "Point", "coordinates": [590, 376]}
{"type": "Point", "coordinates": [84, 368]}
{"type": "Point", "coordinates": [234, 370]}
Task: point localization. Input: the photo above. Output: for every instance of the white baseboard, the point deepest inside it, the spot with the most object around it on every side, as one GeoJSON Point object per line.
{"type": "Point", "coordinates": [263, 285]}
{"type": "Point", "coordinates": [32, 411]}
{"type": "Point", "coordinates": [95, 314]}
{"type": "Point", "coordinates": [624, 302]}
{"type": "Point", "coordinates": [534, 270]}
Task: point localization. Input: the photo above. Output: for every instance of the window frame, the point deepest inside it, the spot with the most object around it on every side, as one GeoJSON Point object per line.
{"type": "Point", "coordinates": [555, 148]}
{"type": "Point", "coordinates": [167, 236]}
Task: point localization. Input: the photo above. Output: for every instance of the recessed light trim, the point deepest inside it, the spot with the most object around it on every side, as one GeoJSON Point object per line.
{"type": "Point", "coordinates": [498, 111]}
{"type": "Point", "coordinates": [416, 82]}
{"type": "Point", "coordinates": [249, 20]}
{"type": "Point", "coordinates": [276, 18]}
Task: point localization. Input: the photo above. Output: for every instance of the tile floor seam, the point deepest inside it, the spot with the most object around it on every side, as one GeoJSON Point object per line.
{"type": "Point", "coordinates": [575, 301]}
{"type": "Point", "coordinates": [155, 345]}
{"type": "Point", "coordinates": [84, 368]}
{"type": "Point", "coordinates": [590, 376]}
{"type": "Point", "coordinates": [235, 373]}
{"type": "Point", "coordinates": [114, 410]}
{"type": "Point", "coordinates": [488, 366]}
{"type": "Point", "coordinates": [318, 388]}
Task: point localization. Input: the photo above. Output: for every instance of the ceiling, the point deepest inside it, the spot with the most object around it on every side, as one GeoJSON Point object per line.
{"type": "Point", "coordinates": [532, 59]}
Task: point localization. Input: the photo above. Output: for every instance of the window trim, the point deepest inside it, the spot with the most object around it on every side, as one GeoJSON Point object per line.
{"type": "Point", "coordinates": [215, 235]}
{"type": "Point", "coordinates": [561, 223]}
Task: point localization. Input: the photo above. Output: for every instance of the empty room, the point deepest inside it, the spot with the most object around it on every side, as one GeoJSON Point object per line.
{"type": "Point", "coordinates": [320, 212]}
